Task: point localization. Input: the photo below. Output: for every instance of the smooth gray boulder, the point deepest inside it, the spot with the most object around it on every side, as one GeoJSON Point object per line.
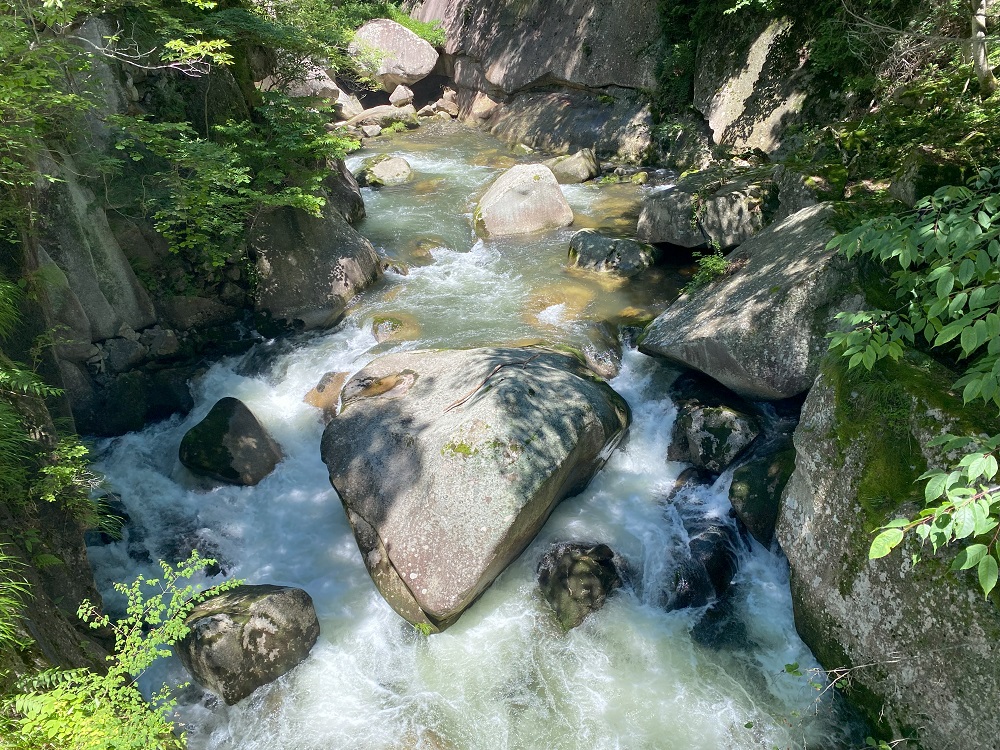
{"type": "Point", "coordinates": [248, 637]}
{"type": "Point", "coordinates": [760, 330]}
{"type": "Point", "coordinates": [385, 115]}
{"type": "Point", "coordinates": [524, 199]}
{"type": "Point", "coordinates": [575, 580]}
{"type": "Point", "coordinates": [701, 212]}
{"type": "Point", "coordinates": [230, 445]}
{"type": "Point", "coordinates": [310, 267]}
{"type": "Point", "coordinates": [384, 170]}
{"type": "Point", "coordinates": [575, 168]}
{"type": "Point", "coordinates": [449, 462]}
{"type": "Point", "coordinates": [618, 256]}
{"type": "Point", "coordinates": [392, 54]}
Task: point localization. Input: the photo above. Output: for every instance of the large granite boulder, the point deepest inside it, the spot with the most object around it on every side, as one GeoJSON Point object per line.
{"type": "Point", "coordinates": [564, 121]}
{"type": "Point", "coordinates": [449, 462]}
{"type": "Point", "coordinates": [230, 445]}
{"type": "Point", "coordinates": [618, 256]}
{"type": "Point", "coordinates": [385, 115]}
{"type": "Point", "coordinates": [707, 210]}
{"type": "Point", "coordinates": [751, 81]}
{"type": "Point", "coordinates": [583, 43]}
{"type": "Point", "coordinates": [575, 579]}
{"type": "Point", "coordinates": [343, 193]}
{"type": "Point", "coordinates": [310, 267]}
{"type": "Point", "coordinates": [524, 199]}
{"type": "Point", "coordinates": [920, 642]}
{"type": "Point", "coordinates": [248, 637]}
{"type": "Point", "coordinates": [392, 53]}
{"type": "Point", "coordinates": [760, 330]}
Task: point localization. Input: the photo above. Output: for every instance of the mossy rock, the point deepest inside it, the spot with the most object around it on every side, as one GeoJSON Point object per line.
{"type": "Point", "coordinates": [230, 445]}
{"type": "Point", "coordinates": [755, 492]}
{"type": "Point", "coordinates": [576, 579]}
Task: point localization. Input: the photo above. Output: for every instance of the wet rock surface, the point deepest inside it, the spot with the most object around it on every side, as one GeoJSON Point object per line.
{"type": "Point", "coordinates": [248, 637]}
{"type": "Point", "coordinates": [575, 579]}
{"type": "Point", "coordinates": [230, 445]}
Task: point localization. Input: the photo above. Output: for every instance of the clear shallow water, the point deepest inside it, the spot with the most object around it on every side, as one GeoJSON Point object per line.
{"type": "Point", "coordinates": [503, 677]}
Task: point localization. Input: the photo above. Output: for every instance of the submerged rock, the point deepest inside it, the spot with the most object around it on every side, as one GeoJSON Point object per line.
{"type": "Point", "coordinates": [449, 462]}
{"type": "Point", "coordinates": [230, 445]}
{"type": "Point", "coordinates": [392, 53]}
{"type": "Point", "coordinates": [593, 251]}
{"type": "Point", "coordinates": [760, 331]}
{"type": "Point", "coordinates": [326, 395]}
{"type": "Point", "coordinates": [248, 637]}
{"type": "Point", "coordinates": [524, 199]}
{"type": "Point", "coordinates": [575, 579]}
{"type": "Point", "coordinates": [705, 574]}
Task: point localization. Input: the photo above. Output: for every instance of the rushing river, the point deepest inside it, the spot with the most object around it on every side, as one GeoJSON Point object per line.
{"type": "Point", "coordinates": [504, 677]}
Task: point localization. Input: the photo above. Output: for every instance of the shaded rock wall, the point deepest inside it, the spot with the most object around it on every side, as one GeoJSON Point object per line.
{"type": "Point", "coordinates": [921, 642]}
{"type": "Point", "coordinates": [528, 54]}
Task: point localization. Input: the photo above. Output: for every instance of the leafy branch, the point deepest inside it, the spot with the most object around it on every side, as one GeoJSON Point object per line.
{"type": "Point", "coordinates": [947, 279]}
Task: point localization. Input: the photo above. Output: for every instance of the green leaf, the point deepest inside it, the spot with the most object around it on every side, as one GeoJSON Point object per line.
{"type": "Point", "coordinates": [987, 574]}
{"type": "Point", "coordinates": [945, 284]}
{"type": "Point", "coordinates": [884, 543]}
{"type": "Point", "coordinates": [935, 487]}
{"type": "Point", "coordinates": [965, 522]}
{"type": "Point", "coordinates": [969, 557]}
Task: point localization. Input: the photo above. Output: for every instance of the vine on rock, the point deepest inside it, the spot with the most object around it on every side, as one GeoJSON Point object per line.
{"type": "Point", "coordinates": [948, 285]}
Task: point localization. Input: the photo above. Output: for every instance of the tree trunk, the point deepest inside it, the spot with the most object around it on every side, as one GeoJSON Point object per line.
{"type": "Point", "coordinates": [980, 58]}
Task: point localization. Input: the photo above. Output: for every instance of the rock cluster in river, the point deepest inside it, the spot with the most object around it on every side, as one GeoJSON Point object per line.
{"type": "Point", "coordinates": [448, 463]}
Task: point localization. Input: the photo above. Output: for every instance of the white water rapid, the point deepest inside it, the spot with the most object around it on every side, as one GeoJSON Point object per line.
{"type": "Point", "coordinates": [504, 677]}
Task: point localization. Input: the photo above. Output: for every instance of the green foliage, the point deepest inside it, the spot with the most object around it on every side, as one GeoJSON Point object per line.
{"type": "Point", "coordinates": [13, 592]}
{"type": "Point", "coordinates": [711, 266]}
{"type": "Point", "coordinates": [947, 280]}
{"type": "Point", "coordinates": [84, 710]}
{"type": "Point", "coordinates": [207, 190]}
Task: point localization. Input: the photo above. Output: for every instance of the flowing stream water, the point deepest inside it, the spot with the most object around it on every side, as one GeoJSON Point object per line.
{"type": "Point", "coordinates": [504, 677]}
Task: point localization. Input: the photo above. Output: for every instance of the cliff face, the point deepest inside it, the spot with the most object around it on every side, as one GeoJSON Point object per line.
{"type": "Point", "coordinates": [567, 75]}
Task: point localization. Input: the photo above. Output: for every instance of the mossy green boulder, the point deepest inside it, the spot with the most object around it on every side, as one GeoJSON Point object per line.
{"type": "Point", "coordinates": [575, 580]}
{"type": "Point", "coordinates": [919, 641]}
{"type": "Point", "coordinates": [230, 445]}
